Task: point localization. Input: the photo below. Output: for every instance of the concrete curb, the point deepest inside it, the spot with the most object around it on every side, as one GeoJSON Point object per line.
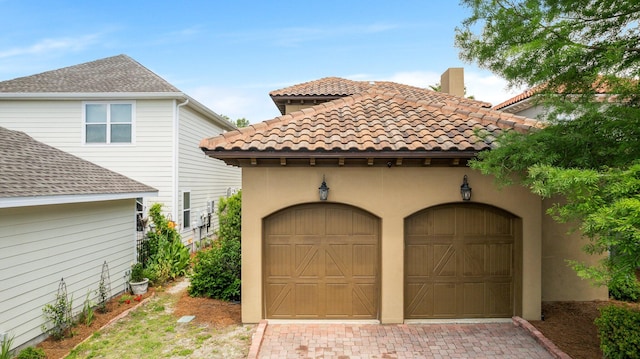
{"type": "Point", "coordinates": [540, 338]}
{"type": "Point", "coordinates": [256, 340]}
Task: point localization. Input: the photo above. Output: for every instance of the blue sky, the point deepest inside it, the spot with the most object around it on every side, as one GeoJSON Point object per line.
{"type": "Point", "coordinates": [230, 54]}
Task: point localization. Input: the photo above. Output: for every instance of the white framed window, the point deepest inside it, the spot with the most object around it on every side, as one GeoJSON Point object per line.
{"type": "Point", "coordinates": [186, 209]}
{"type": "Point", "coordinates": [108, 122]}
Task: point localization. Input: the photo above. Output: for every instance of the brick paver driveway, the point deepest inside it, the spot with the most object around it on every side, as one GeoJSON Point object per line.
{"type": "Point", "coordinates": [353, 341]}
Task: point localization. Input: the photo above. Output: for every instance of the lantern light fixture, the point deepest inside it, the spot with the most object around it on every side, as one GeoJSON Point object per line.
{"type": "Point", "coordinates": [324, 190]}
{"type": "Point", "coordinates": [465, 190]}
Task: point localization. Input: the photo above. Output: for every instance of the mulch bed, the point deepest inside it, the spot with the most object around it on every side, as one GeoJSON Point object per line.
{"type": "Point", "coordinates": [59, 348]}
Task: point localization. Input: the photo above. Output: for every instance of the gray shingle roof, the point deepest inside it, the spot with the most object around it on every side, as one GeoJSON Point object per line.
{"type": "Point", "coordinates": [112, 74]}
{"type": "Point", "coordinates": [30, 168]}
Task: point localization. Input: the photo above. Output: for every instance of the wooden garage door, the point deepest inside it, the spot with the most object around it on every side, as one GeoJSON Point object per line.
{"type": "Point", "coordinates": [460, 262]}
{"type": "Point", "coordinates": [321, 261]}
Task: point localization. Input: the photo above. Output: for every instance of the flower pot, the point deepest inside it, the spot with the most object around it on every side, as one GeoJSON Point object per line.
{"type": "Point", "coordinates": [139, 287]}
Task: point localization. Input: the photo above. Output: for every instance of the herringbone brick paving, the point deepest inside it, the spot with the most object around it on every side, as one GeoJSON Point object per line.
{"type": "Point", "coordinates": [360, 341]}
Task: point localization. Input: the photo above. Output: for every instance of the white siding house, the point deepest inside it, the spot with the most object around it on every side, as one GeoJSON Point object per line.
{"type": "Point", "coordinates": [61, 217]}
{"type": "Point", "coordinates": [118, 114]}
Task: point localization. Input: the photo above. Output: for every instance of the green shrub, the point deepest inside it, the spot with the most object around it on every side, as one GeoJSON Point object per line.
{"type": "Point", "coordinates": [216, 271]}
{"type": "Point", "coordinates": [625, 287]}
{"type": "Point", "coordinates": [619, 330]}
{"type": "Point", "coordinates": [137, 273]}
{"type": "Point", "coordinates": [58, 316]}
{"type": "Point", "coordinates": [32, 353]}
{"type": "Point", "coordinates": [230, 217]}
{"type": "Point", "coordinates": [168, 257]}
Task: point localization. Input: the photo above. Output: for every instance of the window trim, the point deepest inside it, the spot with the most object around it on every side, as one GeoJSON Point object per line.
{"type": "Point", "coordinates": [184, 210]}
{"type": "Point", "coordinates": [108, 123]}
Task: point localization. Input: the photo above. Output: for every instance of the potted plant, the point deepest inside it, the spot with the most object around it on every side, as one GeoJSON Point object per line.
{"type": "Point", "coordinates": [138, 282]}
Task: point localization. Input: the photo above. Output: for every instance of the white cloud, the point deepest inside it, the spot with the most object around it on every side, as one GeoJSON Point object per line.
{"type": "Point", "coordinates": [488, 87]}
{"type": "Point", "coordinates": [47, 45]}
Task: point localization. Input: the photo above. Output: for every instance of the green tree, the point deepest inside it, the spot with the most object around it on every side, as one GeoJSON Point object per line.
{"type": "Point", "coordinates": [242, 122]}
{"type": "Point", "coordinates": [437, 87]}
{"type": "Point", "coordinates": [589, 149]}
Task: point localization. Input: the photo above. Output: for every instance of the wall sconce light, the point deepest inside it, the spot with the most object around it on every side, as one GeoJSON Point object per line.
{"type": "Point", "coordinates": [465, 190]}
{"type": "Point", "coordinates": [324, 190]}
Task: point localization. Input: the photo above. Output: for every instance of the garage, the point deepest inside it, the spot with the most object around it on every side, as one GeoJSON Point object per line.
{"type": "Point", "coordinates": [321, 261]}
{"type": "Point", "coordinates": [462, 261]}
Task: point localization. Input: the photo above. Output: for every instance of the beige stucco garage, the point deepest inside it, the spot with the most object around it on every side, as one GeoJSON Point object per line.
{"type": "Point", "coordinates": [394, 240]}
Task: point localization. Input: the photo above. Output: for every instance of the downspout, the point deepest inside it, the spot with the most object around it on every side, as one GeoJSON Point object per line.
{"type": "Point", "coordinates": [176, 156]}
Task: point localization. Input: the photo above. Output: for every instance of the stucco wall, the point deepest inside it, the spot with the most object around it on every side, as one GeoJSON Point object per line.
{"type": "Point", "coordinates": [391, 194]}
{"type": "Point", "coordinates": [559, 281]}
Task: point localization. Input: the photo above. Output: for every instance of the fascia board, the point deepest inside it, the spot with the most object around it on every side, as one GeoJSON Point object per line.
{"type": "Point", "coordinates": [12, 202]}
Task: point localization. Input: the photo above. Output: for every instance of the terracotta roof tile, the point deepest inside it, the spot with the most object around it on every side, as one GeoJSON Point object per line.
{"type": "Point", "coordinates": [335, 87]}
{"type": "Point", "coordinates": [517, 98]}
{"type": "Point", "coordinates": [31, 168]}
{"type": "Point", "coordinates": [599, 87]}
{"type": "Point", "coordinates": [112, 74]}
{"type": "Point", "coordinates": [375, 120]}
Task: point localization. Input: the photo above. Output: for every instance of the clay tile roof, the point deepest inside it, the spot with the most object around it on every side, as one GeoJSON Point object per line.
{"type": "Point", "coordinates": [31, 168]}
{"type": "Point", "coordinates": [113, 74]}
{"type": "Point", "coordinates": [515, 99]}
{"type": "Point", "coordinates": [328, 86]}
{"type": "Point", "coordinates": [335, 87]}
{"type": "Point", "coordinates": [599, 87]}
{"type": "Point", "coordinates": [376, 120]}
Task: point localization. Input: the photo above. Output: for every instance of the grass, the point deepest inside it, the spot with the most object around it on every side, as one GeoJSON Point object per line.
{"type": "Point", "coordinates": [151, 331]}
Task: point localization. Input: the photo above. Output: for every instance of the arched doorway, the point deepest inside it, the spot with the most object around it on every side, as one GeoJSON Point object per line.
{"type": "Point", "coordinates": [321, 261]}
{"type": "Point", "coordinates": [462, 260]}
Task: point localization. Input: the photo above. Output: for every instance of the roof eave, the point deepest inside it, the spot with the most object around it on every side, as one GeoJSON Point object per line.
{"type": "Point", "coordinates": [27, 201]}
{"type": "Point", "coordinates": [344, 158]}
{"type": "Point", "coordinates": [339, 154]}
{"type": "Point", "coordinates": [89, 95]}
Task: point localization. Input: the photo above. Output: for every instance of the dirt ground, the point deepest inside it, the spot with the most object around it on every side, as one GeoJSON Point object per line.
{"type": "Point", "coordinates": [217, 313]}
{"type": "Point", "coordinates": [568, 324]}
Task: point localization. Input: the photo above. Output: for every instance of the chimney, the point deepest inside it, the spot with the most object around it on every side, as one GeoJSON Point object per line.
{"type": "Point", "coordinates": [452, 81]}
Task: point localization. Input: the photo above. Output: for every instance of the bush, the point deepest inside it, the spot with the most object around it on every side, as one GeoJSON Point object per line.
{"type": "Point", "coordinates": [216, 271]}
{"type": "Point", "coordinates": [137, 273]}
{"type": "Point", "coordinates": [619, 330]}
{"type": "Point", "coordinates": [230, 217]}
{"type": "Point", "coordinates": [168, 257]}
{"type": "Point", "coordinates": [58, 316]}
{"type": "Point", "coordinates": [32, 353]}
{"type": "Point", "coordinates": [625, 287]}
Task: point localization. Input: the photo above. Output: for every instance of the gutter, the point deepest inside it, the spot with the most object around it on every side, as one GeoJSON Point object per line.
{"type": "Point", "coordinates": [26, 201]}
{"type": "Point", "coordinates": [176, 156]}
{"type": "Point", "coordinates": [88, 95]}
